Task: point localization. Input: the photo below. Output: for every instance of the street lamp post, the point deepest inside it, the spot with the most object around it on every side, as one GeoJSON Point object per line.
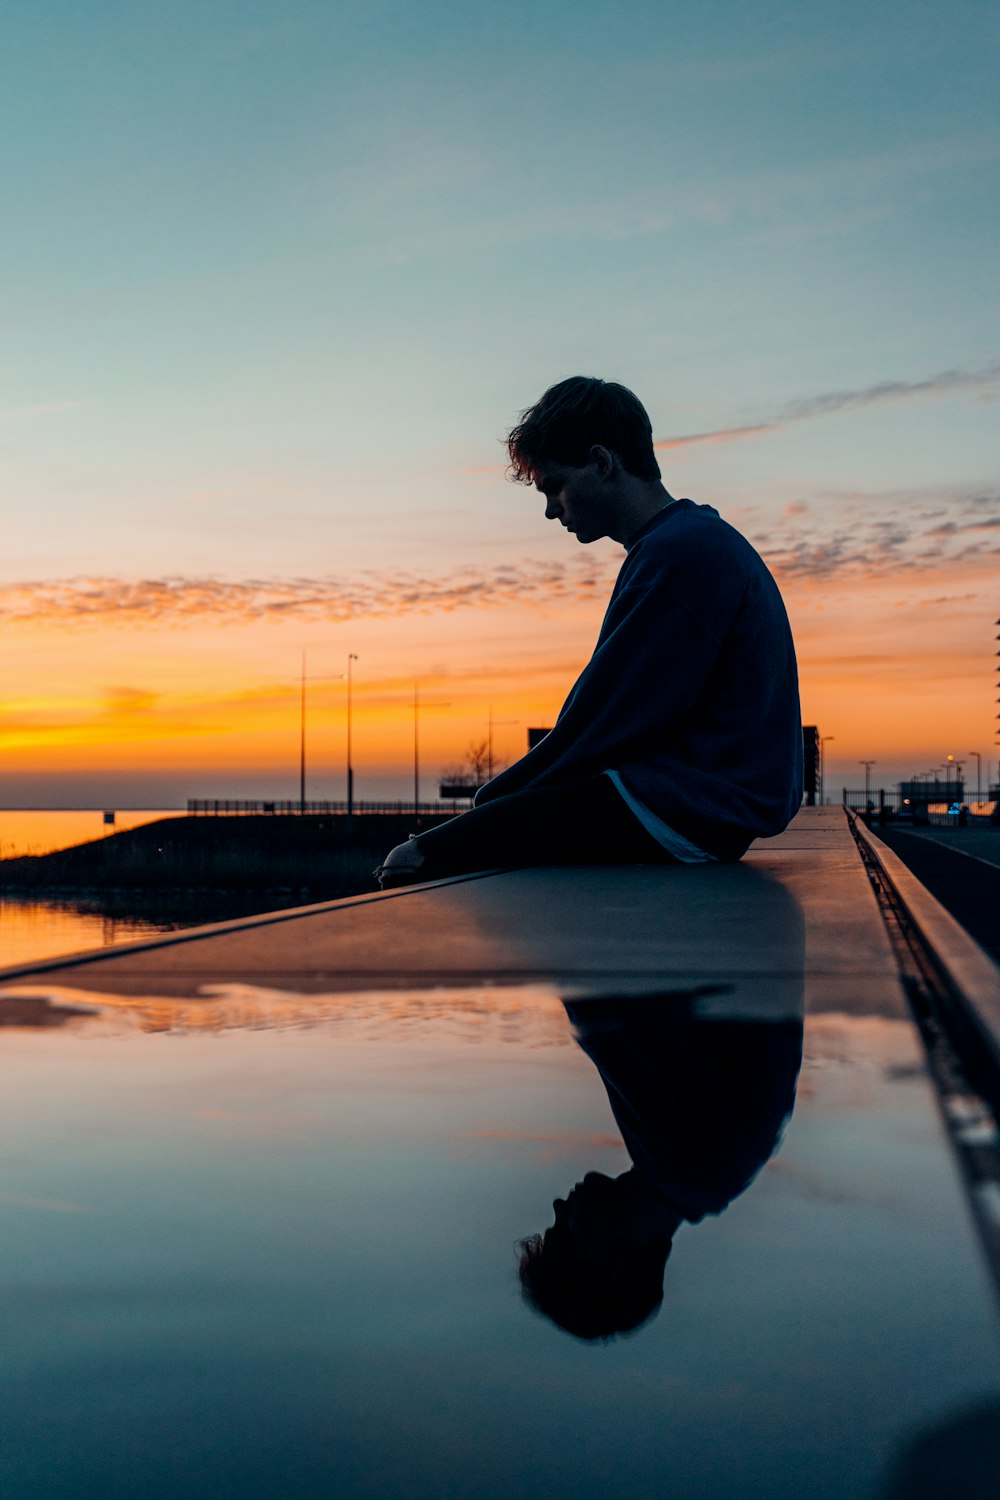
{"type": "Point", "coordinates": [979, 774]}
{"type": "Point", "coordinates": [416, 751]}
{"type": "Point", "coordinates": [868, 777]}
{"type": "Point", "coordinates": [302, 740]}
{"type": "Point", "coordinates": [489, 742]}
{"type": "Point", "coordinates": [417, 705]}
{"type": "Point", "coordinates": [336, 677]}
{"type": "Point", "coordinates": [822, 767]}
{"type": "Point", "coordinates": [351, 659]}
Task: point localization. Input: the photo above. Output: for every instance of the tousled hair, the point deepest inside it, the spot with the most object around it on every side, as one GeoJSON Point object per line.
{"type": "Point", "coordinates": [571, 417]}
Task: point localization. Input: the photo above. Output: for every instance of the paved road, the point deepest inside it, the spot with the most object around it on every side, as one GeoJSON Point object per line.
{"type": "Point", "coordinates": [961, 867]}
{"type": "Point", "coordinates": [982, 843]}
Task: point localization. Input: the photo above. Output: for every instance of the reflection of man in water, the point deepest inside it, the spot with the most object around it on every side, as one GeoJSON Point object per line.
{"type": "Point", "coordinates": [681, 740]}
{"type": "Point", "coordinates": [701, 1104]}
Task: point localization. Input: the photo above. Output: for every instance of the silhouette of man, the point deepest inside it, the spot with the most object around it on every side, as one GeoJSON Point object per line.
{"type": "Point", "coordinates": [681, 740]}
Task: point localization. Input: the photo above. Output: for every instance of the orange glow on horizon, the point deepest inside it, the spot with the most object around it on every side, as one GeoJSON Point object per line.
{"type": "Point", "coordinates": [898, 666]}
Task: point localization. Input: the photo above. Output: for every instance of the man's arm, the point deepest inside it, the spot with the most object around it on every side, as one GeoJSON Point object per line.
{"type": "Point", "coordinates": [652, 660]}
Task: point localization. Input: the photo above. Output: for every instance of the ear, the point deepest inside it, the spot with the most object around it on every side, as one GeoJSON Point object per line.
{"type": "Point", "coordinates": [603, 460]}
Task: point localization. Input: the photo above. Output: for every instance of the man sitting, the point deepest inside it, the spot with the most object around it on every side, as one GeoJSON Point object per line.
{"type": "Point", "coordinates": [681, 740]}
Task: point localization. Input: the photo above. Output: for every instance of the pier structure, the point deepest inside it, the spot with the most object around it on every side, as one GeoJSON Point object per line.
{"type": "Point", "coordinates": [294, 1155]}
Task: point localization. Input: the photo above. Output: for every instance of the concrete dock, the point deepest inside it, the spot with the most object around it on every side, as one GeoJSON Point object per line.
{"type": "Point", "coordinates": [263, 1182]}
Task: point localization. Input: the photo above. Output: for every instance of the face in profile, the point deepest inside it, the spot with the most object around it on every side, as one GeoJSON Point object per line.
{"type": "Point", "coordinates": [580, 499]}
{"type": "Point", "coordinates": [591, 1225]}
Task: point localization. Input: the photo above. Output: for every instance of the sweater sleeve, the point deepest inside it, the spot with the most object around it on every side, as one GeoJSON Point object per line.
{"type": "Point", "coordinates": [652, 659]}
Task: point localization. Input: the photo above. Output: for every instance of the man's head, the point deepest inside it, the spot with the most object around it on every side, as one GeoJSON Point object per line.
{"type": "Point", "coordinates": [574, 416]}
{"type": "Point", "coordinates": [587, 446]}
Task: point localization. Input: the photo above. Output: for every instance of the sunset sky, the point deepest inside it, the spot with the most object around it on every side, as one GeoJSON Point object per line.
{"type": "Point", "coordinates": [276, 279]}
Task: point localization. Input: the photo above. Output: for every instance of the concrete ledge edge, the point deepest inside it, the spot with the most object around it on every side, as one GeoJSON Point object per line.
{"type": "Point", "coordinates": [220, 929]}
{"type": "Point", "coordinates": [971, 970]}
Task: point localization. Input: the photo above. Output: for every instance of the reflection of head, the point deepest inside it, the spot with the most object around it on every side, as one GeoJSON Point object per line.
{"type": "Point", "coordinates": [599, 1270]}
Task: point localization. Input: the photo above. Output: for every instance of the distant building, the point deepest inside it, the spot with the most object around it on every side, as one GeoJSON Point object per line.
{"type": "Point", "coordinates": [535, 736]}
{"type": "Point", "coordinates": [810, 763]}
{"type": "Point", "coordinates": [456, 791]}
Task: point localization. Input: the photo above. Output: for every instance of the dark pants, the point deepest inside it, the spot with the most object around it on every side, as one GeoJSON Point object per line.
{"type": "Point", "coordinates": [577, 823]}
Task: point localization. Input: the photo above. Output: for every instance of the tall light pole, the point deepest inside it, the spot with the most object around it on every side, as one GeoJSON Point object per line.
{"type": "Point", "coordinates": [979, 774]}
{"type": "Point", "coordinates": [416, 751]}
{"type": "Point", "coordinates": [417, 705]}
{"type": "Point", "coordinates": [868, 777]}
{"type": "Point", "coordinates": [351, 659]}
{"type": "Point", "coordinates": [302, 741]}
{"type": "Point", "coordinates": [822, 767]}
{"type": "Point", "coordinates": [336, 677]}
{"type": "Point", "coordinates": [489, 741]}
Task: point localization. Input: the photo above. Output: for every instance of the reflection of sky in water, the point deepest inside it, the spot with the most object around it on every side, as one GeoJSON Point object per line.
{"type": "Point", "coordinates": [279, 1260]}
{"type": "Point", "coordinates": [33, 930]}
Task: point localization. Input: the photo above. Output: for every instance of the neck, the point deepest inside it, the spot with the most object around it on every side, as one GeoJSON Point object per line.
{"type": "Point", "coordinates": [645, 499]}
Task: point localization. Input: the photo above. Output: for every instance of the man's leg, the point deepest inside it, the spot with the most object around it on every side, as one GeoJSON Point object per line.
{"type": "Point", "coordinates": [582, 822]}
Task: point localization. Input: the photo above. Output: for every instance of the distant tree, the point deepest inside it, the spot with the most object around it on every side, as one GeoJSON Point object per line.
{"type": "Point", "coordinates": [477, 758]}
{"type": "Point", "coordinates": [474, 768]}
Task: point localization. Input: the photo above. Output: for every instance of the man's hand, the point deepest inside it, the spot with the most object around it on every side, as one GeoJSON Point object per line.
{"type": "Point", "coordinates": [401, 865]}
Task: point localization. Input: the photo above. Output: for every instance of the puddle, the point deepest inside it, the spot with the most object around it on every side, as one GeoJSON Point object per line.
{"type": "Point", "coordinates": [259, 1242]}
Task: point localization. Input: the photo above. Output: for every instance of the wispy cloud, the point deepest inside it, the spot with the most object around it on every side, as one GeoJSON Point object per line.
{"type": "Point", "coordinates": [180, 600]}
{"type": "Point", "coordinates": [40, 409]}
{"type": "Point", "coordinates": [455, 176]}
{"type": "Point", "coordinates": [872, 540]}
{"type": "Point", "coordinates": [125, 702]}
{"type": "Point", "coordinates": [594, 1138]}
{"type": "Point", "coordinates": [50, 1205]}
{"type": "Point", "coordinates": [862, 537]}
{"type": "Point", "coordinates": [720, 435]}
{"type": "Point", "coordinates": [829, 403]}
{"type": "Point", "coordinates": [948, 383]}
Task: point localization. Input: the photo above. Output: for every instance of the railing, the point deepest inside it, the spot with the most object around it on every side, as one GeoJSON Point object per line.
{"type": "Point", "coordinates": [242, 807]}
{"type": "Point", "coordinates": [933, 810]}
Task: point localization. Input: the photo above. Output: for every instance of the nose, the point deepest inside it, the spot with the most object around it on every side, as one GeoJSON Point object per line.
{"type": "Point", "coordinates": [552, 510]}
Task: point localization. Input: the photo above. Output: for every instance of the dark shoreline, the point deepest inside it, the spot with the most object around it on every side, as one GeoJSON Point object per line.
{"type": "Point", "coordinates": [274, 860]}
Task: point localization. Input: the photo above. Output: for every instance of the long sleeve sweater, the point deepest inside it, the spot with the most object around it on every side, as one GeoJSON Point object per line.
{"type": "Point", "coordinates": [691, 694]}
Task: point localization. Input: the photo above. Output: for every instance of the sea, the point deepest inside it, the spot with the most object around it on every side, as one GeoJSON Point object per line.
{"type": "Point", "coordinates": [32, 929]}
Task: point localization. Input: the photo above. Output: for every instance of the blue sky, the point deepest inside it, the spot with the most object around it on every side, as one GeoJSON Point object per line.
{"type": "Point", "coordinates": [275, 278]}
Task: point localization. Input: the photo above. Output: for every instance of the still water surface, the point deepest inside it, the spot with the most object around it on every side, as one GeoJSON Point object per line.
{"type": "Point", "coordinates": [261, 1243]}
{"type": "Point", "coordinates": [33, 929]}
